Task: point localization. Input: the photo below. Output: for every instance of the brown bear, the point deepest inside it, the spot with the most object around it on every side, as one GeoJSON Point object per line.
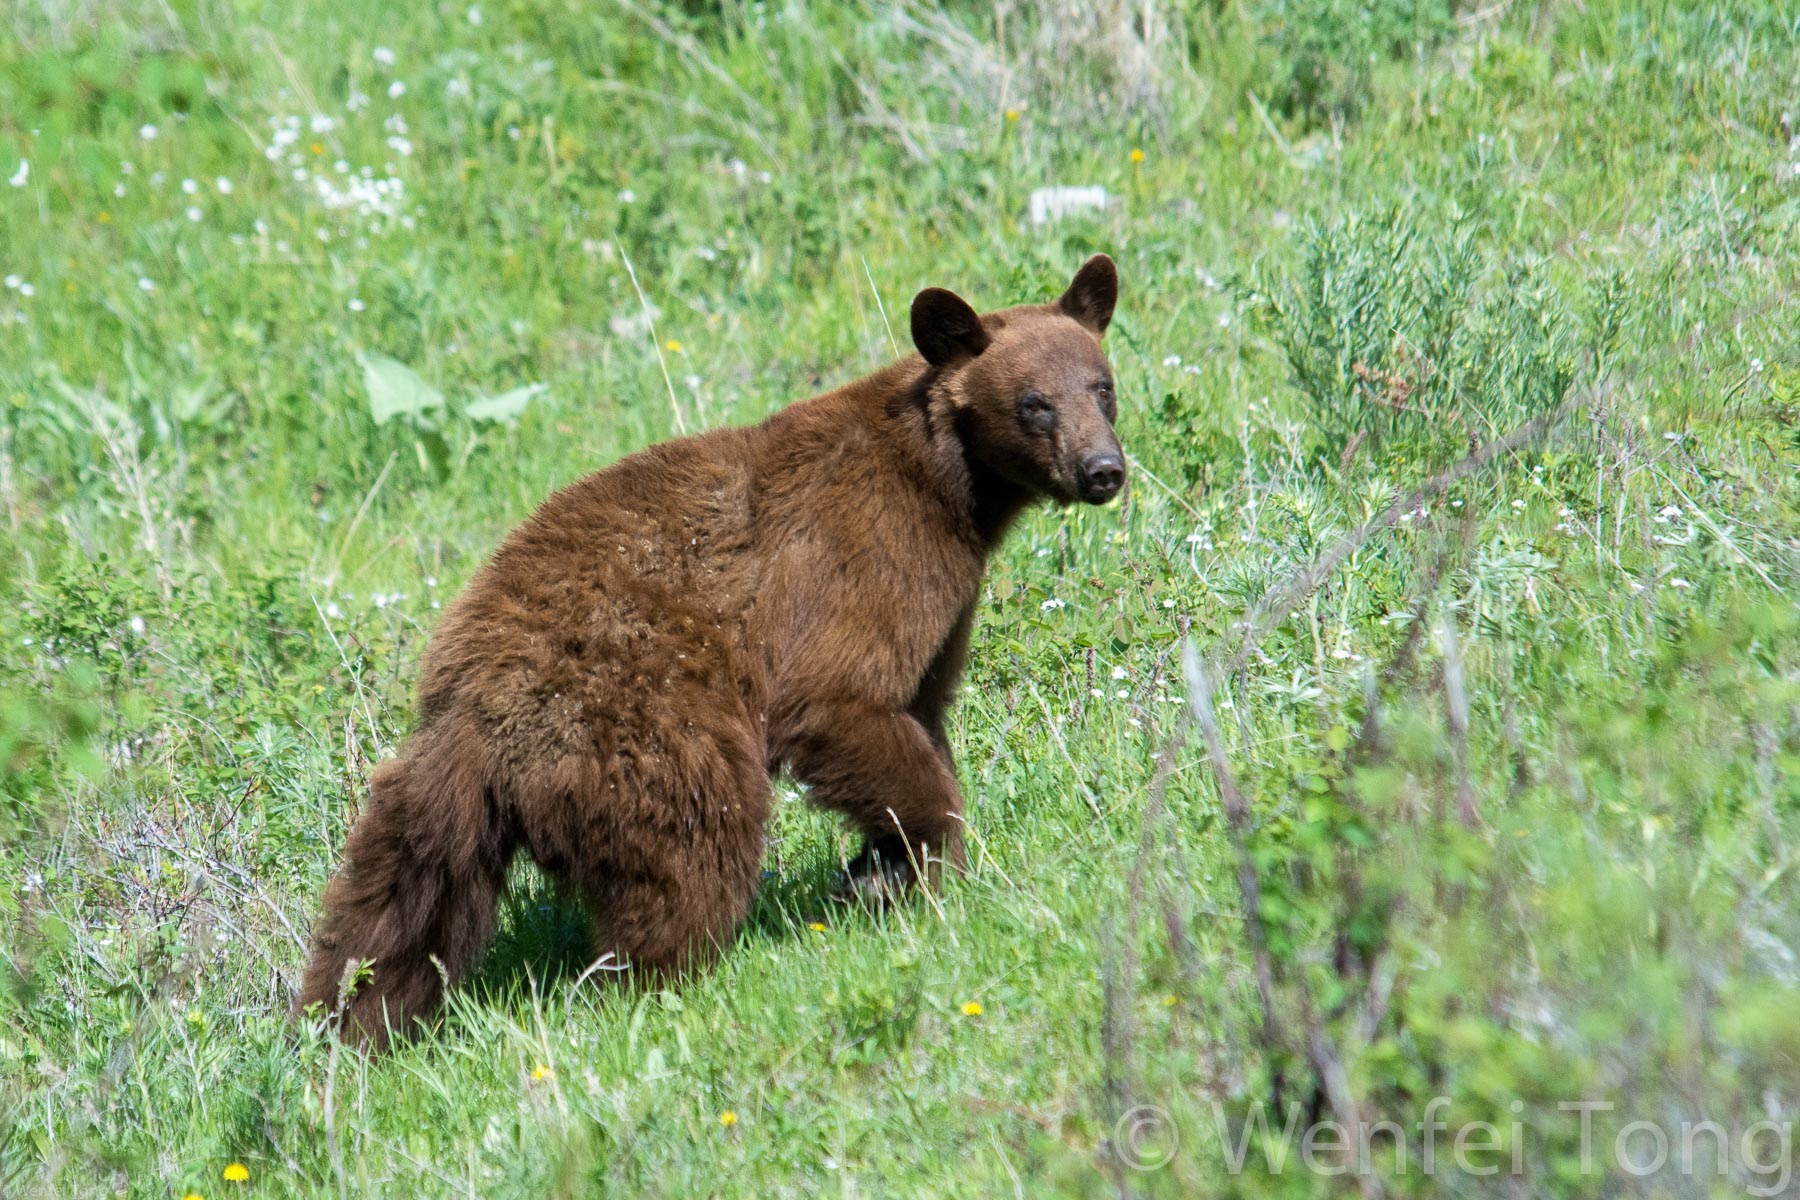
{"type": "Point", "coordinates": [614, 689]}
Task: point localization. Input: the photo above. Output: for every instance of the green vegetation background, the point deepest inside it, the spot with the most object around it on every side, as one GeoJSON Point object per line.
{"type": "Point", "coordinates": [306, 304]}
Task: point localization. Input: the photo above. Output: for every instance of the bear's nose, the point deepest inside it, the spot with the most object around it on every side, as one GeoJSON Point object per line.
{"type": "Point", "coordinates": [1102, 475]}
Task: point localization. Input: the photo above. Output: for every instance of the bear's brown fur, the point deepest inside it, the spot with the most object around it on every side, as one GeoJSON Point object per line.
{"type": "Point", "coordinates": [613, 690]}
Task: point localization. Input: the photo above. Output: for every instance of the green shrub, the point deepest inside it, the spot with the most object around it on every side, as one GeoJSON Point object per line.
{"type": "Point", "coordinates": [1324, 51]}
{"type": "Point", "coordinates": [1389, 332]}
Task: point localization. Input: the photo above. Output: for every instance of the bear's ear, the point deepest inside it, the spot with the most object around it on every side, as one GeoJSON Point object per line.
{"type": "Point", "coordinates": [1092, 293]}
{"type": "Point", "coordinates": [945, 328]}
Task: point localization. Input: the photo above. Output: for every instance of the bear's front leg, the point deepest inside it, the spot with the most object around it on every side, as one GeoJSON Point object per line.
{"type": "Point", "coordinates": [882, 769]}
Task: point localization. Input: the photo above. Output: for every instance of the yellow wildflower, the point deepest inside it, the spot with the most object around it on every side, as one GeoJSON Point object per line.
{"type": "Point", "coordinates": [972, 1009]}
{"type": "Point", "coordinates": [237, 1172]}
{"type": "Point", "coordinates": [1137, 154]}
{"type": "Point", "coordinates": [728, 1118]}
{"type": "Point", "coordinates": [672, 346]}
{"type": "Point", "coordinates": [105, 218]}
{"type": "Point", "coordinates": [541, 1072]}
{"type": "Point", "coordinates": [193, 1196]}
{"type": "Point", "coordinates": [817, 927]}
{"type": "Point", "coordinates": [1012, 114]}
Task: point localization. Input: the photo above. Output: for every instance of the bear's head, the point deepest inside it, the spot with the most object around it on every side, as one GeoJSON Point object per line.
{"type": "Point", "coordinates": [1030, 387]}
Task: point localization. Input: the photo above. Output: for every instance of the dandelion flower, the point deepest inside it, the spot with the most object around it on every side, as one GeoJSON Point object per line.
{"type": "Point", "coordinates": [193, 1196]}
{"type": "Point", "coordinates": [1137, 154]}
{"type": "Point", "coordinates": [541, 1072]}
{"type": "Point", "coordinates": [817, 927]}
{"type": "Point", "coordinates": [972, 1009]}
{"type": "Point", "coordinates": [728, 1118]}
{"type": "Point", "coordinates": [237, 1172]}
{"type": "Point", "coordinates": [672, 346]}
{"type": "Point", "coordinates": [1012, 114]}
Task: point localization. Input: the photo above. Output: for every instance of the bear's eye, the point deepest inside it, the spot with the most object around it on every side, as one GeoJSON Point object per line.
{"type": "Point", "coordinates": [1103, 396]}
{"type": "Point", "coordinates": [1036, 411]}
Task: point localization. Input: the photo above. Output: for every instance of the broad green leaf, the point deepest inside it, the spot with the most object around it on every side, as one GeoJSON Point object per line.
{"type": "Point", "coordinates": [506, 406]}
{"type": "Point", "coordinates": [394, 389]}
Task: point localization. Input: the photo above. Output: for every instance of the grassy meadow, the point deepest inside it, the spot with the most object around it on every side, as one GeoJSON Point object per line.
{"type": "Point", "coordinates": [1419, 738]}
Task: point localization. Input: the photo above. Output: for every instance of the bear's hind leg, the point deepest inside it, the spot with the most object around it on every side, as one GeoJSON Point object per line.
{"type": "Point", "coordinates": [667, 896]}
{"type": "Point", "coordinates": [414, 899]}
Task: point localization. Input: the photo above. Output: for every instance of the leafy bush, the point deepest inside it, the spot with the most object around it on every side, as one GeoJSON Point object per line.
{"type": "Point", "coordinates": [1324, 51]}
{"type": "Point", "coordinates": [1388, 331]}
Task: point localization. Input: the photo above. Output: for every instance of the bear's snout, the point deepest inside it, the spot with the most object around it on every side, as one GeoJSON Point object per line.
{"type": "Point", "coordinates": [1100, 476]}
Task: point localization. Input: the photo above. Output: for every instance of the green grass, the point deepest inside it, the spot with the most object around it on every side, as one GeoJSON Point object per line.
{"type": "Point", "coordinates": [217, 572]}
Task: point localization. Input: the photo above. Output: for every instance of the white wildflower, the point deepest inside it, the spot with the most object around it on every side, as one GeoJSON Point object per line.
{"type": "Point", "coordinates": [384, 56]}
{"type": "Point", "coordinates": [20, 176]}
{"type": "Point", "coordinates": [147, 132]}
